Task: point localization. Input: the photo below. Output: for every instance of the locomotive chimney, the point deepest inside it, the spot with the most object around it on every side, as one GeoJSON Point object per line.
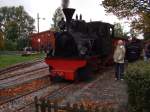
{"type": "Point", "coordinates": [68, 12]}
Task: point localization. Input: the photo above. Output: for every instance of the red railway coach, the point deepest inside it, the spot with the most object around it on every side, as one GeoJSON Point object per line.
{"type": "Point", "coordinates": [41, 41]}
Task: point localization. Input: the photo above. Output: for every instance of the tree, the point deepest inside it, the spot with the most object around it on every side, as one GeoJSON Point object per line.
{"type": "Point", "coordinates": [1, 41]}
{"type": "Point", "coordinates": [11, 31]}
{"type": "Point", "coordinates": [16, 23]}
{"type": "Point", "coordinates": [137, 11]}
{"type": "Point", "coordinates": [118, 30]}
{"type": "Point", "coordinates": [126, 8]}
{"type": "Point", "coordinates": [58, 15]}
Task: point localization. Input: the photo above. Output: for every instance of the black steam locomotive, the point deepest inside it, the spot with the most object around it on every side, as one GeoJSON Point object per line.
{"type": "Point", "coordinates": [79, 47]}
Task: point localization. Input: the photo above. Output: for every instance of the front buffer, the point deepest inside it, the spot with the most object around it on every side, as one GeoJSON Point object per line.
{"type": "Point", "coordinates": [65, 68]}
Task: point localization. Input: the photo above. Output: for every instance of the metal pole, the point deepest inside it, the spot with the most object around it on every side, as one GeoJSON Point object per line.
{"type": "Point", "coordinates": [38, 18]}
{"type": "Point", "coordinates": [38, 22]}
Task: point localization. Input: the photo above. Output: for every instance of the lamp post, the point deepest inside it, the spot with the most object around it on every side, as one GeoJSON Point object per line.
{"type": "Point", "coordinates": [38, 27]}
{"type": "Point", "coordinates": [38, 21]}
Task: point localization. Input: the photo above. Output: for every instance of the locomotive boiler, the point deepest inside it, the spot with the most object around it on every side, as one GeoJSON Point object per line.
{"type": "Point", "coordinates": [80, 48]}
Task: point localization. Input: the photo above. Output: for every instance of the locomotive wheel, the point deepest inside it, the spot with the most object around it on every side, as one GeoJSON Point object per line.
{"type": "Point", "coordinates": [83, 74]}
{"type": "Point", "coordinates": [56, 79]}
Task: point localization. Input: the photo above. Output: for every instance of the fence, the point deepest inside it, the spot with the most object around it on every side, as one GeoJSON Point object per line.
{"type": "Point", "coordinates": [43, 105]}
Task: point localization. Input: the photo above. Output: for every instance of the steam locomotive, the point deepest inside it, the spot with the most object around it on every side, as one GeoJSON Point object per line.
{"type": "Point", "coordinates": [134, 50]}
{"type": "Point", "coordinates": [79, 48]}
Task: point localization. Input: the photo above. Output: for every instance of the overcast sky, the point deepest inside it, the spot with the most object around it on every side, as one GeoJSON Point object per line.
{"type": "Point", "coordinates": [90, 9]}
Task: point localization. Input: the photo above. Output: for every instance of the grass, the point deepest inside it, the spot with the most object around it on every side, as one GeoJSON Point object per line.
{"type": "Point", "coordinates": [8, 60]}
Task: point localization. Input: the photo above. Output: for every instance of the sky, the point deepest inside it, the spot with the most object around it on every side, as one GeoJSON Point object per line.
{"type": "Point", "coordinates": [90, 9]}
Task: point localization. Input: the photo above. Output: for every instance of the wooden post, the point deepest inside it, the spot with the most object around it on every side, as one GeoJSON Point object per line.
{"type": "Point", "coordinates": [97, 109]}
{"type": "Point", "coordinates": [82, 109]}
{"type": "Point", "coordinates": [55, 107]}
{"type": "Point", "coordinates": [75, 108]}
{"type": "Point", "coordinates": [111, 110]}
{"type": "Point", "coordinates": [89, 109]}
{"type": "Point", "coordinates": [104, 109]}
{"type": "Point", "coordinates": [49, 105]}
{"type": "Point", "coordinates": [68, 107]}
{"type": "Point", "coordinates": [36, 104]}
{"type": "Point", "coordinates": [43, 105]}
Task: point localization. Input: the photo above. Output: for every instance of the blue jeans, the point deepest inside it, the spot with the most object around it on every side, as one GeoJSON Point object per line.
{"type": "Point", "coordinates": [119, 70]}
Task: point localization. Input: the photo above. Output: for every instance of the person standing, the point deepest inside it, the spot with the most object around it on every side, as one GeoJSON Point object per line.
{"type": "Point", "coordinates": [144, 53]}
{"type": "Point", "coordinates": [119, 55]}
{"type": "Point", "coordinates": [147, 52]}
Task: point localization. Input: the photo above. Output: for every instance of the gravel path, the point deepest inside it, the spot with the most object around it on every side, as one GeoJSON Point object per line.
{"type": "Point", "coordinates": [105, 91]}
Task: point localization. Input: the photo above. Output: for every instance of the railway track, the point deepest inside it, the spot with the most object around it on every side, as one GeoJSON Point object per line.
{"type": "Point", "coordinates": [18, 66]}
{"type": "Point", "coordinates": [18, 103]}
{"type": "Point", "coordinates": [19, 84]}
{"type": "Point", "coordinates": [7, 81]}
{"type": "Point", "coordinates": [17, 77]}
{"type": "Point", "coordinates": [22, 71]}
{"type": "Point", "coordinates": [59, 95]}
{"type": "Point", "coordinates": [9, 75]}
{"type": "Point", "coordinates": [19, 96]}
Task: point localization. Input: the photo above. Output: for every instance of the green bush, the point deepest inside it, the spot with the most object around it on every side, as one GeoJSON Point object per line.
{"type": "Point", "coordinates": [138, 81]}
{"type": "Point", "coordinates": [22, 43]}
{"type": "Point", "coordinates": [10, 45]}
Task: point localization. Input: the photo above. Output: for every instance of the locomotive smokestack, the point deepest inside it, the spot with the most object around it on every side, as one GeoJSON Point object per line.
{"type": "Point", "coordinates": [68, 12]}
